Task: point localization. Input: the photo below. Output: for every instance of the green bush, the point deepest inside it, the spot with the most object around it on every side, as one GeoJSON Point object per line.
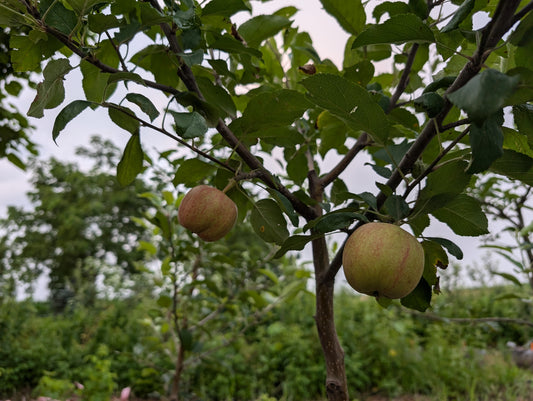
{"type": "Point", "coordinates": [387, 351]}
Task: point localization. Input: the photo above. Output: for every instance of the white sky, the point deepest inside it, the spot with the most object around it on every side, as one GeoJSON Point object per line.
{"type": "Point", "coordinates": [329, 40]}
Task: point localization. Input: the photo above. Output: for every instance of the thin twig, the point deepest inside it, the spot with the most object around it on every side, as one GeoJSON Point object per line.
{"type": "Point", "coordinates": [363, 141]}
{"type": "Point", "coordinates": [404, 79]}
{"type": "Point", "coordinates": [432, 165]}
{"type": "Point", "coordinates": [446, 127]}
{"type": "Point", "coordinates": [172, 136]}
{"type": "Point", "coordinates": [122, 61]}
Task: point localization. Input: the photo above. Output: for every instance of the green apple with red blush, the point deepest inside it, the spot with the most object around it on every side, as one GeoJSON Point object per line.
{"type": "Point", "coordinates": [383, 260]}
{"type": "Point", "coordinates": [208, 212]}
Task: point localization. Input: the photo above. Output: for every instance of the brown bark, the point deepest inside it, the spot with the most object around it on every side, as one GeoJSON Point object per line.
{"type": "Point", "coordinates": [176, 379]}
{"type": "Point", "coordinates": [336, 382]}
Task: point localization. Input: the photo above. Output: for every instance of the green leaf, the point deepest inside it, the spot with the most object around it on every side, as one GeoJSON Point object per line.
{"type": "Point", "coordinates": [217, 96]}
{"type": "Point", "coordinates": [209, 112]}
{"type": "Point", "coordinates": [99, 23]}
{"type": "Point", "coordinates": [449, 245]}
{"type": "Point", "coordinates": [397, 29]}
{"type": "Point", "coordinates": [509, 277]}
{"type": "Point", "coordinates": [273, 109]}
{"type": "Point", "coordinates": [396, 207]}
{"type": "Point", "coordinates": [460, 14]}
{"type": "Point", "coordinates": [419, 7]}
{"type": "Point", "coordinates": [189, 125]}
{"type": "Point", "coordinates": [50, 92]}
{"type": "Point", "coordinates": [523, 34]}
{"type": "Point", "coordinates": [440, 83]}
{"type": "Point", "coordinates": [333, 221]}
{"type": "Point", "coordinates": [523, 118]}
{"type": "Point", "coordinates": [360, 73]}
{"type": "Point", "coordinates": [350, 15]}
{"type": "Point", "coordinates": [516, 141]}
{"type": "Point", "coordinates": [192, 58]}
{"type": "Point", "coordinates": [391, 8]}
{"type": "Point", "coordinates": [95, 83]}
{"type": "Point", "coordinates": [231, 45]}
{"type": "Point", "coordinates": [295, 243]}
{"type": "Point", "coordinates": [192, 171]}
{"type": "Point", "coordinates": [270, 274]}
{"type": "Point", "coordinates": [442, 185]}
{"type": "Point", "coordinates": [464, 216]}
{"type": "Point", "coordinates": [434, 256]}
{"type": "Point", "coordinates": [11, 14]}
{"type": "Point", "coordinates": [514, 165]}
{"type": "Point", "coordinates": [297, 167]}
{"type": "Point", "coordinates": [66, 115]}
{"type": "Point", "coordinates": [16, 161]}
{"type": "Point", "coordinates": [484, 95]}
{"type": "Point", "coordinates": [225, 8]}
{"type": "Point", "coordinates": [82, 7]}
{"type": "Point", "coordinates": [262, 27]}
{"type": "Point", "coordinates": [25, 54]}
{"type": "Point", "coordinates": [124, 118]}
{"type": "Point", "coordinates": [431, 102]}
{"type": "Point", "coordinates": [144, 104]}
{"type": "Point", "coordinates": [268, 222]}
{"type": "Point", "coordinates": [350, 102]}
{"type": "Point", "coordinates": [285, 205]}
{"type": "Point", "coordinates": [420, 298]}
{"type": "Point", "coordinates": [58, 16]}
{"type": "Point", "coordinates": [131, 163]}
{"type": "Point", "coordinates": [164, 301]}
{"type": "Point", "coordinates": [486, 142]}
{"type": "Point", "coordinates": [125, 76]}
{"type": "Point", "coordinates": [186, 339]}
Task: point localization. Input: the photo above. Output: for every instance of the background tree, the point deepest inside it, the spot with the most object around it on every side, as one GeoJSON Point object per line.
{"type": "Point", "coordinates": [509, 204]}
{"type": "Point", "coordinates": [78, 224]}
{"type": "Point", "coordinates": [247, 83]}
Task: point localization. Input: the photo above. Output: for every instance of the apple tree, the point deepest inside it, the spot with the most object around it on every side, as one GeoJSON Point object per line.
{"type": "Point", "coordinates": [257, 108]}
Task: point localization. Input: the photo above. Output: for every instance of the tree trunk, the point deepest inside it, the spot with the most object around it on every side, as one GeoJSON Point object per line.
{"type": "Point", "coordinates": [178, 369]}
{"type": "Point", "coordinates": [336, 383]}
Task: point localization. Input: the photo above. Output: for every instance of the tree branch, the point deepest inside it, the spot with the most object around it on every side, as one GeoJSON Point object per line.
{"type": "Point", "coordinates": [522, 13]}
{"type": "Point", "coordinates": [446, 127]}
{"type": "Point", "coordinates": [492, 33]}
{"type": "Point", "coordinates": [363, 141]}
{"type": "Point", "coordinates": [404, 79]}
{"type": "Point", "coordinates": [430, 168]}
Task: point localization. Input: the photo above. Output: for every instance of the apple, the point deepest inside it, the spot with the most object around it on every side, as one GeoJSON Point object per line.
{"type": "Point", "coordinates": [208, 212]}
{"type": "Point", "coordinates": [383, 260]}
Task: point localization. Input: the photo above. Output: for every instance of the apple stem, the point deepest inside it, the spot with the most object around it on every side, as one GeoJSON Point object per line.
{"type": "Point", "coordinates": [230, 185]}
